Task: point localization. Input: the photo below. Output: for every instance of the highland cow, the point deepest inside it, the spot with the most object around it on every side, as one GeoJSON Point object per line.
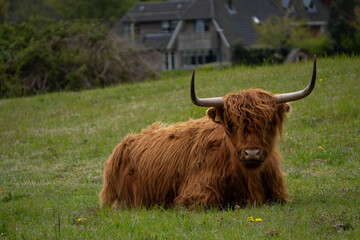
{"type": "Point", "coordinates": [227, 158]}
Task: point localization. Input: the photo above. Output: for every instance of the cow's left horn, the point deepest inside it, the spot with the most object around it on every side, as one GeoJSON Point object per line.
{"type": "Point", "coordinates": [293, 96]}
{"type": "Point", "coordinates": [204, 102]}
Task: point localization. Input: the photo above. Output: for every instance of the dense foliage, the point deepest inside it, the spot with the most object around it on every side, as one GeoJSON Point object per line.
{"type": "Point", "coordinates": [277, 36]}
{"type": "Point", "coordinates": [279, 31]}
{"type": "Point", "coordinates": [257, 54]}
{"type": "Point", "coordinates": [107, 11]}
{"type": "Point", "coordinates": [342, 36]}
{"type": "Point", "coordinates": [344, 25]}
{"type": "Point", "coordinates": [52, 45]}
{"type": "Point", "coordinates": [42, 55]}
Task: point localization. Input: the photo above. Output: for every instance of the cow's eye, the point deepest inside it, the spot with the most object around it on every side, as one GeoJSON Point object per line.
{"type": "Point", "coordinates": [270, 125]}
{"type": "Point", "coordinates": [230, 126]}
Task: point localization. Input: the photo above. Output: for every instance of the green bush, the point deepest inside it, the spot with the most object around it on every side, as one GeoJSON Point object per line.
{"type": "Point", "coordinates": [320, 45]}
{"type": "Point", "coordinates": [239, 54]}
{"type": "Point", "coordinates": [274, 31]}
{"type": "Point", "coordinates": [257, 54]}
{"type": "Point", "coordinates": [42, 56]}
{"type": "Point", "coordinates": [344, 26]}
{"type": "Point", "coordinates": [279, 31]}
{"type": "Point", "coordinates": [266, 54]}
{"type": "Point", "coordinates": [351, 45]}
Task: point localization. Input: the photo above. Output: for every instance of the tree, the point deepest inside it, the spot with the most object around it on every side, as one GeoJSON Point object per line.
{"type": "Point", "coordinates": [22, 10]}
{"type": "Point", "coordinates": [42, 55]}
{"type": "Point", "coordinates": [343, 25]}
{"type": "Point", "coordinates": [274, 31]}
{"type": "Point", "coordinates": [280, 32]}
{"type": "Point", "coordinates": [105, 11]}
{"type": "Point", "coordinates": [4, 10]}
{"type": "Point", "coordinates": [108, 11]}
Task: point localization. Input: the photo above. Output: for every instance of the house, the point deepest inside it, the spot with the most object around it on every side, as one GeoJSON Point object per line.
{"type": "Point", "coordinates": [195, 32]}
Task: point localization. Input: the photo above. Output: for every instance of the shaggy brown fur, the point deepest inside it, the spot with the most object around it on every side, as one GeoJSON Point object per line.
{"type": "Point", "coordinates": [196, 163]}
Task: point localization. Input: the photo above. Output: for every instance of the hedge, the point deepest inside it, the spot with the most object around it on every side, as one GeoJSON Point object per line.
{"type": "Point", "coordinates": [42, 55]}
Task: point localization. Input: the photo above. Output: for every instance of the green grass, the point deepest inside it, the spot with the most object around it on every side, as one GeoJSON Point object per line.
{"type": "Point", "coordinates": [52, 150]}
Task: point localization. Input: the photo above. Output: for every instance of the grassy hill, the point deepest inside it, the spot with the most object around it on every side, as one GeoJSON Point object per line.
{"type": "Point", "coordinates": [52, 150]}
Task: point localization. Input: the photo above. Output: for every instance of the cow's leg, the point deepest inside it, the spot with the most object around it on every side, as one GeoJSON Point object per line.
{"type": "Point", "coordinates": [193, 201]}
{"type": "Point", "coordinates": [198, 196]}
{"type": "Point", "coordinates": [113, 169]}
{"type": "Point", "coordinates": [274, 184]}
{"type": "Point", "coordinates": [108, 193]}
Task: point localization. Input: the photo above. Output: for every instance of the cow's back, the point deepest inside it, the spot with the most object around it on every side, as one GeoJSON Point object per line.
{"type": "Point", "coordinates": [159, 160]}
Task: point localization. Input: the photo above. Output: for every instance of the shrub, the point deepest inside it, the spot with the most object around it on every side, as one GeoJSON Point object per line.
{"type": "Point", "coordinates": [274, 31]}
{"type": "Point", "coordinates": [42, 56]}
{"type": "Point", "coordinates": [278, 31]}
{"type": "Point", "coordinates": [344, 25]}
{"type": "Point", "coordinates": [239, 54]}
{"type": "Point", "coordinates": [257, 54]}
{"type": "Point", "coordinates": [320, 45]}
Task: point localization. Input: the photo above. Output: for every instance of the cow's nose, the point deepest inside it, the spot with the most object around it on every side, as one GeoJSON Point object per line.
{"type": "Point", "coordinates": [252, 154]}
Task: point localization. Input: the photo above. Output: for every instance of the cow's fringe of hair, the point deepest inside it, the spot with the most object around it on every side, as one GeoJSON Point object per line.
{"type": "Point", "coordinates": [256, 110]}
{"type": "Point", "coordinates": [190, 163]}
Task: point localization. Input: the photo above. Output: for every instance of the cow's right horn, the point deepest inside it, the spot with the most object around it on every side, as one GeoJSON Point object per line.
{"type": "Point", "coordinates": [293, 96]}
{"type": "Point", "coordinates": [204, 102]}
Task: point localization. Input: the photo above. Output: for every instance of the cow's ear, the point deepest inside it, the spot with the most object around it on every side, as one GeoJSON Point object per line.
{"type": "Point", "coordinates": [282, 111]}
{"type": "Point", "coordinates": [286, 107]}
{"type": "Point", "coordinates": [215, 114]}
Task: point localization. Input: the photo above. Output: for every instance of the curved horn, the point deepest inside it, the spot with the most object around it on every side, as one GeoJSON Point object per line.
{"type": "Point", "coordinates": [293, 96]}
{"type": "Point", "coordinates": [204, 102]}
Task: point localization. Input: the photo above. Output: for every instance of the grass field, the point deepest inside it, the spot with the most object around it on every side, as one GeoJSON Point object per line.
{"type": "Point", "coordinates": [52, 150]}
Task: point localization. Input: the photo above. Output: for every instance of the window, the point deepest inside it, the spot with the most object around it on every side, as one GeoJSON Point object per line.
{"type": "Point", "coordinates": [288, 5]}
{"type": "Point", "coordinates": [310, 6]}
{"type": "Point", "coordinates": [199, 57]}
{"type": "Point", "coordinates": [293, 9]}
{"type": "Point", "coordinates": [131, 30]}
{"type": "Point", "coordinates": [168, 26]}
{"type": "Point", "coordinates": [165, 26]}
{"type": "Point", "coordinates": [202, 26]}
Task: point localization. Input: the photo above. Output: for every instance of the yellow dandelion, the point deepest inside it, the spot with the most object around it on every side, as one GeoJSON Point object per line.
{"type": "Point", "coordinates": [320, 80]}
{"type": "Point", "coordinates": [78, 219]}
{"type": "Point", "coordinates": [320, 148]}
{"type": "Point", "coordinates": [251, 219]}
{"type": "Point", "coordinates": [258, 220]}
{"type": "Point", "coordinates": [2, 191]}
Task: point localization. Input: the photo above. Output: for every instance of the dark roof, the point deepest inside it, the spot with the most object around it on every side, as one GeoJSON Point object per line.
{"type": "Point", "coordinates": [199, 9]}
{"type": "Point", "coordinates": [239, 23]}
